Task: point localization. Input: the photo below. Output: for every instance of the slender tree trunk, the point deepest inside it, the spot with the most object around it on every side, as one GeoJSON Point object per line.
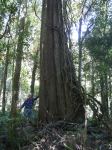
{"type": "Point", "coordinates": [5, 78]}
{"type": "Point", "coordinates": [110, 83]}
{"type": "Point", "coordinates": [16, 77]}
{"type": "Point", "coordinates": [93, 85]}
{"type": "Point", "coordinates": [34, 72]}
{"type": "Point", "coordinates": [1, 84]}
{"type": "Point", "coordinates": [80, 51]}
{"type": "Point", "coordinates": [104, 94]}
{"type": "Point", "coordinates": [60, 95]}
{"type": "Point", "coordinates": [92, 79]}
{"type": "Point", "coordinates": [110, 91]}
{"type": "Point", "coordinates": [1, 87]}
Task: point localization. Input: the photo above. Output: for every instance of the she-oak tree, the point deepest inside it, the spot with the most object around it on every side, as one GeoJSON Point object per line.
{"type": "Point", "coordinates": [61, 97]}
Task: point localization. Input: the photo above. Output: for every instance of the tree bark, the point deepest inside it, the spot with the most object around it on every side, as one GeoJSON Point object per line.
{"type": "Point", "coordinates": [60, 95]}
{"type": "Point", "coordinates": [16, 77]}
{"type": "Point", "coordinates": [80, 51]}
{"type": "Point", "coordinates": [104, 94]}
{"type": "Point", "coordinates": [1, 82]}
{"type": "Point", "coordinates": [93, 84]}
{"type": "Point", "coordinates": [5, 78]}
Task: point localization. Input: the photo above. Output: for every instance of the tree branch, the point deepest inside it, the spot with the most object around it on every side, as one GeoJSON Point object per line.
{"type": "Point", "coordinates": [36, 12]}
{"type": "Point", "coordinates": [7, 28]}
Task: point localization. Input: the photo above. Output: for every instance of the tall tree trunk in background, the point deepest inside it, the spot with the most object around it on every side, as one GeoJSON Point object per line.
{"type": "Point", "coordinates": [93, 84]}
{"type": "Point", "coordinates": [34, 73]}
{"type": "Point", "coordinates": [110, 83]}
{"type": "Point", "coordinates": [80, 51]}
{"type": "Point", "coordinates": [1, 87]}
{"type": "Point", "coordinates": [5, 78]}
{"type": "Point", "coordinates": [1, 84]}
{"type": "Point", "coordinates": [60, 95]}
{"type": "Point", "coordinates": [110, 91]}
{"type": "Point", "coordinates": [104, 94]}
{"type": "Point", "coordinates": [16, 77]}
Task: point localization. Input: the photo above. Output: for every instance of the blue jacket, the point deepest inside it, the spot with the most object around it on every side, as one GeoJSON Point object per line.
{"type": "Point", "coordinates": [28, 104]}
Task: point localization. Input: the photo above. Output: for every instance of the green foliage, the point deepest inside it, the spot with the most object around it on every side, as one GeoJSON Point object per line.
{"type": "Point", "coordinates": [6, 8]}
{"type": "Point", "coordinates": [87, 67]}
{"type": "Point", "coordinates": [36, 90]}
{"type": "Point", "coordinates": [3, 46]}
{"type": "Point", "coordinates": [24, 80]}
{"type": "Point", "coordinates": [9, 130]}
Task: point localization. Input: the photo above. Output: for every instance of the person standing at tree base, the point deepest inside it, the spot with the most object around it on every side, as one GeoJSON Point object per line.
{"type": "Point", "coordinates": [28, 106]}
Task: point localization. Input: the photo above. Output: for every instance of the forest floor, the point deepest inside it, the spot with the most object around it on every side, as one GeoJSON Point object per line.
{"type": "Point", "coordinates": [69, 136]}
{"type": "Point", "coordinates": [54, 136]}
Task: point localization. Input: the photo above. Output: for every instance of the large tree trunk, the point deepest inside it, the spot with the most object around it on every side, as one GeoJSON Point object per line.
{"type": "Point", "coordinates": [16, 77]}
{"type": "Point", "coordinates": [5, 78]}
{"type": "Point", "coordinates": [60, 95]}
